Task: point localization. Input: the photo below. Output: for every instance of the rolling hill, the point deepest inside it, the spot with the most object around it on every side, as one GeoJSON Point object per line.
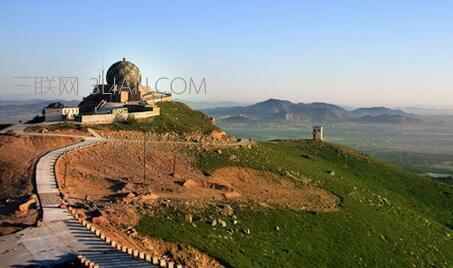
{"type": "Point", "coordinates": [389, 217]}
{"type": "Point", "coordinates": [283, 111]}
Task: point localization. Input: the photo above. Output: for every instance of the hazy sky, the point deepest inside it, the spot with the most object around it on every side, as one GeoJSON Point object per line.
{"type": "Point", "coordinates": [360, 52]}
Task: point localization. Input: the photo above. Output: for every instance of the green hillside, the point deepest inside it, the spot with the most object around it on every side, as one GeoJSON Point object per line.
{"type": "Point", "coordinates": [174, 117]}
{"type": "Point", "coordinates": [389, 218]}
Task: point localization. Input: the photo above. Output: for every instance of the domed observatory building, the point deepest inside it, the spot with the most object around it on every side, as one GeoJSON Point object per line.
{"type": "Point", "coordinates": [122, 95]}
{"type": "Point", "coordinates": [125, 77]}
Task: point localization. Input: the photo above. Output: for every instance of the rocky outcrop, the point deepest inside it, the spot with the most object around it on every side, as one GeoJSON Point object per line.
{"type": "Point", "coordinates": [25, 206]}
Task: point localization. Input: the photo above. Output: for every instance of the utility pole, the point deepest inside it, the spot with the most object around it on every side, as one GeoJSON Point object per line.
{"type": "Point", "coordinates": [201, 140]}
{"type": "Point", "coordinates": [144, 157]}
{"type": "Point", "coordinates": [174, 165]}
{"type": "Point", "coordinates": [65, 164]}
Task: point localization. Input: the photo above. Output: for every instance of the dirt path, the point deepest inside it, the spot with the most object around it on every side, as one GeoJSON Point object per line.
{"type": "Point", "coordinates": [60, 237]}
{"type": "Point", "coordinates": [18, 156]}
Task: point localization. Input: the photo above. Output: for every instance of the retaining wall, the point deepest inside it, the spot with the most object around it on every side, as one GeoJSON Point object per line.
{"type": "Point", "coordinates": [110, 118]}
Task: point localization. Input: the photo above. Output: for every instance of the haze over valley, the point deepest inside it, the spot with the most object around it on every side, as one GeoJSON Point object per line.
{"type": "Point", "coordinates": [420, 142]}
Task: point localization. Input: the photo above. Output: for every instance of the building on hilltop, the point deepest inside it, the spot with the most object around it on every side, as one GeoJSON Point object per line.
{"type": "Point", "coordinates": [123, 87]}
{"type": "Point", "coordinates": [318, 133]}
{"type": "Point", "coordinates": [57, 111]}
{"type": "Point", "coordinates": [122, 97]}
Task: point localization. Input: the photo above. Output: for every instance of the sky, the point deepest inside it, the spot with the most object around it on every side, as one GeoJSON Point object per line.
{"type": "Point", "coordinates": [352, 53]}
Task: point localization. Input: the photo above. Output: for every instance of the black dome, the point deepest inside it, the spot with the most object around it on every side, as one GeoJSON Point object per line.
{"type": "Point", "coordinates": [124, 70]}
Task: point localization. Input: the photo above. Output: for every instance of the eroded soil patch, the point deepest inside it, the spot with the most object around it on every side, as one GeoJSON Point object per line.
{"type": "Point", "coordinates": [18, 156]}
{"type": "Point", "coordinates": [108, 178]}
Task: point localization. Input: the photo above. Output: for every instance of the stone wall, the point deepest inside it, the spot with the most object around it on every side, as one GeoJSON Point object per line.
{"type": "Point", "coordinates": [97, 119]}
{"type": "Point", "coordinates": [156, 99]}
{"type": "Point", "coordinates": [146, 114]}
{"type": "Point", "coordinates": [110, 118]}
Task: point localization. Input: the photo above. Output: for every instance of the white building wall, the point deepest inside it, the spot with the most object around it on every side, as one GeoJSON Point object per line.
{"type": "Point", "coordinates": [60, 114]}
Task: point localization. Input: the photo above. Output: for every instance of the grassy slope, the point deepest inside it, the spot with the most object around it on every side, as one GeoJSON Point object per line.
{"type": "Point", "coordinates": [414, 225]}
{"type": "Point", "coordinates": [174, 117]}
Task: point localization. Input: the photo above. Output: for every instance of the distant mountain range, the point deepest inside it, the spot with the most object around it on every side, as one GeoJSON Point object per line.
{"type": "Point", "coordinates": [429, 111]}
{"type": "Point", "coordinates": [283, 111]}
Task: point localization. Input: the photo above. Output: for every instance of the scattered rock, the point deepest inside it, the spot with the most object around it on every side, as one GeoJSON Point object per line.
{"type": "Point", "coordinates": [82, 214]}
{"type": "Point", "coordinates": [130, 231]}
{"type": "Point", "coordinates": [190, 184]}
{"type": "Point", "coordinates": [228, 210]}
{"type": "Point", "coordinates": [131, 195]}
{"type": "Point", "coordinates": [277, 228]}
{"type": "Point", "coordinates": [246, 231]}
{"type": "Point", "coordinates": [188, 218]}
{"type": "Point", "coordinates": [99, 220]}
{"type": "Point", "coordinates": [222, 222]}
{"type": "Point", "coordinates": [214, 222]}
{"type": "Point", "coordinates": [176, 175]}
{"type": "Point", "coordinates": [232, 195]}
{"type": "Point", "coordinates": [331, 172]}
{"type": "Point", "coordinates": [217, 135]}
{"type": "Point", "coordinates": [126, 188]}
{"type": "Point", "coordinates": [294, 176]}
{"type": "Point", "coordinates": [304, 180]}
{"type": "Point", "coordinates": [24, 207]}
{"type": "Point", "coordinates": [148, 197]}
{"type": "Point", "coordinates": [220, 184]}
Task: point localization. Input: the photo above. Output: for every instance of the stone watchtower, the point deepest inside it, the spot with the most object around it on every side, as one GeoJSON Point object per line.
{"type": "Point", "coordinates": [318, 134]}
